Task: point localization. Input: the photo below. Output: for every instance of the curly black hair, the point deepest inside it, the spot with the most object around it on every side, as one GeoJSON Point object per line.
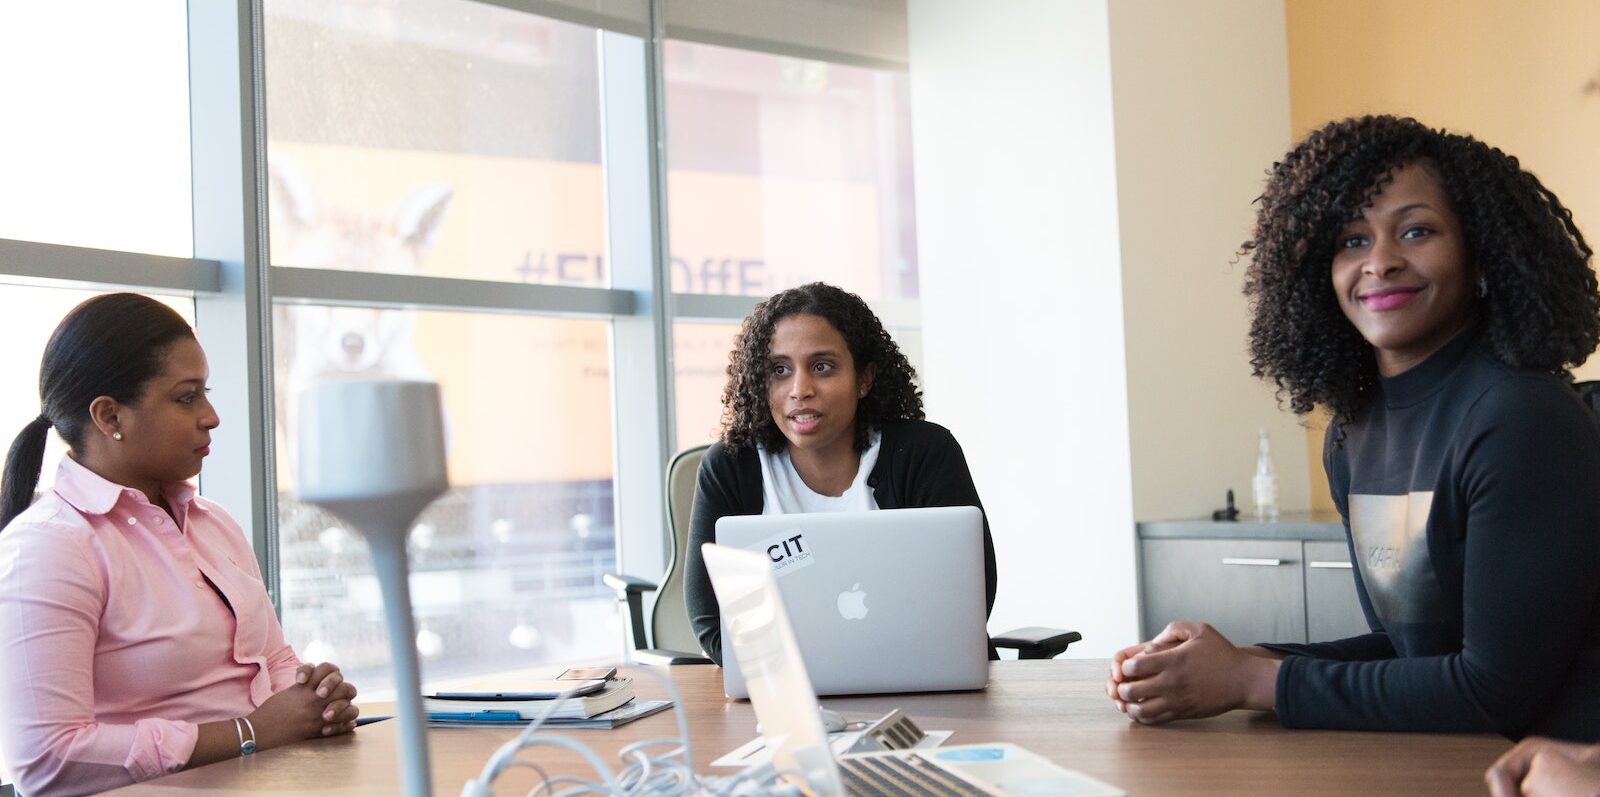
{"type": "Point", "coordinates": [1542, 309]}
{"type": "Point", "coordinates": [746, 416]}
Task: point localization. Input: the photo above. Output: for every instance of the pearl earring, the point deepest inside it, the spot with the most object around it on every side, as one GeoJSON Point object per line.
{"type": "Point", "coordinates": [116, 436]}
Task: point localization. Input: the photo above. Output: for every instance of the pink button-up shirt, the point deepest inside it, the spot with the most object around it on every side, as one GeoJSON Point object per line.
{"type": "Point", "coordinates": [113, 646]}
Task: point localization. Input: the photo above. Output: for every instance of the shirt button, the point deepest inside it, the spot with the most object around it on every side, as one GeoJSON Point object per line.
{"type": "Point", "coordinates": [159, 520]}
{"type": "Point", "coordinates": [132, 521]}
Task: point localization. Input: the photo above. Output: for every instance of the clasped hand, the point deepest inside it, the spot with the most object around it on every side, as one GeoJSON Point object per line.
{"type": "Point", "coordinates": [1187, 671]}
{"type": "Point", "coordinates": [1539, 767]}
{"type": "Point", "coordinates": [318, 704]}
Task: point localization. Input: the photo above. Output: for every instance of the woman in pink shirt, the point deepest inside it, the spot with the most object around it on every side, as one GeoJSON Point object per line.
{"type": "Point", "coordinates": [136, 638]}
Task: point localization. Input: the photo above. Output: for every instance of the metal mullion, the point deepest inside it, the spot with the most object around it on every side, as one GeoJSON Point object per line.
{"type": "Point", "coordinates": [228, 156]}
{"type": "Point", "coordinates": [706, 307]}
{"type": "Point", "coordinates": [737, 41]}
{"type": "Point", "coordinates": [712, 307]}
{"type": "Point", "coordinates": [365, 288]}
{"type": "Point", "coordinates": [590, 14]}
{"type": "Point", "coordinates": [59, 265]}
{"type": "Point", "coordinates": [636, 246]}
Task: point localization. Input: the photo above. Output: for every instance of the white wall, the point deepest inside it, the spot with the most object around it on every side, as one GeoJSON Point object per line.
{"type": "Point", "coordinates": [1084, 175]}
{"type": "Point", "coordinates": [1202, 111]}
{"type": "Point", "coordinates": [1022, 297]}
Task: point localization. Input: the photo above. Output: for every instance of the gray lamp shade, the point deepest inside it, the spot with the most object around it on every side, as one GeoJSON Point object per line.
{"type": "Point", "coordinates": [372, 451]}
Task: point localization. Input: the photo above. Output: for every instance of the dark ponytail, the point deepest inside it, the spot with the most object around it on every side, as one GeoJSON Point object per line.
{"type": "Point", "coordinates": [22, 469]}
{"type": "Point", "coordinates": [110, 345]}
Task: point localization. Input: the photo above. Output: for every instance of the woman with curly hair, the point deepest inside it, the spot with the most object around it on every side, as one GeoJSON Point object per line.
{"type": "Point", "coordinates": [1432, 294]}
{"type": "Point", "coordinates": [821, 413]}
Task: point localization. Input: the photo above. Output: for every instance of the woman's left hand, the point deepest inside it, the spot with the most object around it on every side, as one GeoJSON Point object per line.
{"type": "Point", "coordinates": [1191, 670]}
{"type": "Point", "coordinates": [324, 677]}
{"type": "Point", "coordinates": [339, 713]}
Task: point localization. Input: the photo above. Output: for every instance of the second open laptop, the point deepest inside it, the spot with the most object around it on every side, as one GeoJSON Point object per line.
{"type": "Point", "coordinates": [757, 634]}
{"type": "Point", "coordinates": [891, 600]}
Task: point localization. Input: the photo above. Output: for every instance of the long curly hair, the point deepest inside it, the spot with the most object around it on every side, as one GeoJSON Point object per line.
{"type": "Point", "coordinates": [1542, 308]}
{"type": "Point", "coordinates": [746, 415]}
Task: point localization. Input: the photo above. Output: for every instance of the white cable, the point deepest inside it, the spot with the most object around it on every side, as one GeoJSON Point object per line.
{"type": "Point", "coordinates": [503, 757]}
{"type": "Point", "coordinates": [669, 773]}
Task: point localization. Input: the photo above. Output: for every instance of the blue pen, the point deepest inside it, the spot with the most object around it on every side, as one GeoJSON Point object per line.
{"type": "Point", "coordinates": [488, 715]}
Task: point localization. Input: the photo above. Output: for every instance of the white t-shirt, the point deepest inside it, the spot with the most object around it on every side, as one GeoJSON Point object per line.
{"type": "Point", "coordinates": [783, 492]}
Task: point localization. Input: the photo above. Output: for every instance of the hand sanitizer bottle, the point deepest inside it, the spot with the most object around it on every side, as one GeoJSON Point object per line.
{"type": "Point", "coordinates": [1264, 487]}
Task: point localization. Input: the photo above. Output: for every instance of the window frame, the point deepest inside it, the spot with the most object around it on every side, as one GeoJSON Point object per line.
{"type": "Point", "coordinates": [234, 287]}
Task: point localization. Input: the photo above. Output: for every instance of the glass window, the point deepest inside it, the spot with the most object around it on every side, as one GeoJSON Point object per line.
{"type": "Point", "coordinates": [784, 171]}
{"type": "Point", "coordinates": [506, 566]}
{"type": "Point", "coordinates": [94, 149]}
{"type": "Point", "coordinates": [438, 137]}
{"type": "Point", "coordinates": [700, 361]}
{"type": "Point", "coordinates": [31, 316]}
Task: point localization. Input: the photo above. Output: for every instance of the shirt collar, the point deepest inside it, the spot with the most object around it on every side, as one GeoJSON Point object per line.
{"type": "Point", "coordinates": [1429, 376]}
{"type": "Point", "coordinates": [93, 494]}
{"type": "Point", "coordinates": [180, 496]}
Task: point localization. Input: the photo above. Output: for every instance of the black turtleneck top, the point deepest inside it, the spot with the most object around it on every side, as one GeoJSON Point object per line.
{"type": "Point", "coordinates": [1470, 492]}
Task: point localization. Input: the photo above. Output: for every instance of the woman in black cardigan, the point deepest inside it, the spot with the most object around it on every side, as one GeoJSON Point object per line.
{"type": "Point", "coordinates": [821, 413]}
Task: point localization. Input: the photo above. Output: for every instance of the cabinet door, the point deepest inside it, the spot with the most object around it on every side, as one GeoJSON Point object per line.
{"type": "Point", "coordinates": [1250, 590]}
{"type": "Point", "coordinates": [1332, 609]}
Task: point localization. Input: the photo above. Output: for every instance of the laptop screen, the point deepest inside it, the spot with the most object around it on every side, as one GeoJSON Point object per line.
{"type": "Point", "coordinates": [759, 635]}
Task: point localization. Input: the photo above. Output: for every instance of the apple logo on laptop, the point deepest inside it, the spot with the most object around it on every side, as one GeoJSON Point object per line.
{"type": "Point", "coordinates": [853, 603]}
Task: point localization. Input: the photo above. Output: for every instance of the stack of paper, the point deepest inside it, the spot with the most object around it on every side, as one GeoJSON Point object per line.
{"type": "Point", "coordinates": [608, 706]}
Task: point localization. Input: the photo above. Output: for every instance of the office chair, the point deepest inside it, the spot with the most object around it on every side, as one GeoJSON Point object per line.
{"type": "Point", "coordinates": [1036, 641]}
{"type": "Point", "coordinates": [671, 631]}
{"type": "Point", "coordinates": [1590, 393]}
{"type": "Point", "coordinates": [669, 622]}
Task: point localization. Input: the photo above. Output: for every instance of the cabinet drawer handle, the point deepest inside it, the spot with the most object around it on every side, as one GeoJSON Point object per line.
{"type": "Point", "coordinates": [1241, 560]}
{"type": "Point", "coordinates": [1331, 565]}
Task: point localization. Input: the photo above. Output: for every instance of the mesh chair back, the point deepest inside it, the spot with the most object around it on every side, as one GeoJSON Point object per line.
{"type": "Point", "coordinates": [1590, 393]}
{"type": "Point", "coordinates": [669, 624]}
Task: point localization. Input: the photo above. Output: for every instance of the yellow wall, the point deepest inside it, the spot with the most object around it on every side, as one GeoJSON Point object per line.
{"type": "Point", "coordinates": [1196, 78]}
{"type": "Point", "coordinates": [1522, 76]}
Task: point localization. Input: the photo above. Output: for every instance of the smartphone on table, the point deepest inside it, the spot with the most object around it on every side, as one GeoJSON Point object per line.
{"type": "Point", "coordinates": [588, 674]}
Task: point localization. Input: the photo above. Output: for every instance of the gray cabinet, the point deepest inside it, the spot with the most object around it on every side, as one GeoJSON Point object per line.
{"type": "Point", "coordinates": [1332, 609]}
{"type": "Point", "coordinates": [1285, 581]}
{"type": "Point", "coordinates": [1250, 590]}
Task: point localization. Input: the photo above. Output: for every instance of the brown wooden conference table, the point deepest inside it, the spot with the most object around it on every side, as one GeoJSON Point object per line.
{"type": "Point", "coordinates": [1055, 708]}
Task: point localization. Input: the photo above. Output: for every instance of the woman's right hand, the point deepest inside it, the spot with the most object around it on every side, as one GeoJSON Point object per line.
{"type": "Point", "coordinates": [1188, 671]}
{"type": "Point", "coordinates": [298, 713]}
{"type": "Point", "coordinates": [1540, 767]}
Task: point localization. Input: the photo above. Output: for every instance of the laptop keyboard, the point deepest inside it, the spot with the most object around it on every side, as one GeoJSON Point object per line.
{"type": "Point", "coordinates": [891, 776]}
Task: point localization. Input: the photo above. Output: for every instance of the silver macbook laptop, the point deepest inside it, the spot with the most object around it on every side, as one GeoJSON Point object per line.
{"type": "Point", "coordinates": [758, 635]}
{"type": "Point", "coordinates": [886, 601]}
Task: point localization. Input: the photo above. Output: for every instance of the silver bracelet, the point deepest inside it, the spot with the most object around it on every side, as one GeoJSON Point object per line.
{"type": "Point", "coordinates": [246, 746]}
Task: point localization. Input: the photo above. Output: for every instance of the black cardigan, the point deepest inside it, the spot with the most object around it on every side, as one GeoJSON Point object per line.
{"type": "Point", "coordinates": [920, 464]}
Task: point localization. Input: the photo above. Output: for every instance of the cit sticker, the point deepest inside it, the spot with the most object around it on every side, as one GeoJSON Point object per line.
{"type": "Point", "coordinates": [788, 551]}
